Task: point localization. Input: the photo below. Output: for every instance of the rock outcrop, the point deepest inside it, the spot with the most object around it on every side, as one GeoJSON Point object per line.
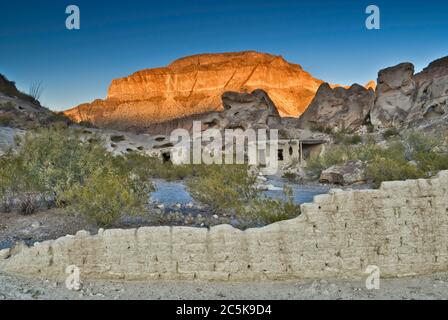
{"type": "Point", "coordinates": [394, 95]}
{"type": "Point", "coordinates": [194, 85]}
{"type": "Point", "coordinates": [431, 98]}
{"type": "Point", "coordinates": [338, 108]}
{"type": "Point", "coordinates": [404, 99]}
{"type": "Point", "coordinates": [242, 110]}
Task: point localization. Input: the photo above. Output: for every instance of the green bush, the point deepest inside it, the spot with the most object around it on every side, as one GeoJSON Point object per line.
{"type": "Point", "coordinates": [86, 124]}
{"type": "Point", "coordinates": [8, 107]}
{"type": "Point", "coordinates": [290, 176]}
{"type": "Point", "coordinates": [349, 139]}
{"type": "Point", "coordinates": [268, 211]}
{"type": "Point", "coordinates": [223, 188]}
{"type": "Point", "coordinates": [391, 132]}
{"type": "Point", "coordinates": [6, 119]}
{"type": "Point", "coordinates": [412, 156]}
{"type": "Point", "coordinates": [231, 190]}
{"type": "Point", "coordinates": [117, 139]}
{"type": "Point", "coordinates": [106, 195]}
{"type": "Point", "coordinates": [59, 165]}
{"type": "Point", "coordinates": [338, 154]}
{"type": "Point", "coordinates": [391, 170]}
{"type": "Point", "coordinates": [17, 183]}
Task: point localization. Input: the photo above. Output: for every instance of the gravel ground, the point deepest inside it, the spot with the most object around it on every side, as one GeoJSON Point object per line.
{"type": "Point", "coordinates": [424, 287]}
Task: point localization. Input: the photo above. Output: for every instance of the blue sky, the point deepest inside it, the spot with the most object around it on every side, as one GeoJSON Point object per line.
{"type": "Point", "coordinates": [117, 38]}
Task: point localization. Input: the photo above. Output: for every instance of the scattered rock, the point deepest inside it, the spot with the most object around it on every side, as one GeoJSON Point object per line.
{"type": "Point", "coordinates": [5, 253]}
{"type": "Point", "coordinates": [350, 173]}
{"type": "Point", "coordinates": [35, 224]}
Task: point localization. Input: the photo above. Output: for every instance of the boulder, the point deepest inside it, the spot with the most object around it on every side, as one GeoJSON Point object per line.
{"type": "Point", "coordinates": [405, 99]}
{"type": "Point", "coordinates": [338, 108]}
{"type": "Point", "coordinates": [248, 110]}
{"type": "Point", "coordinates": [394, 95]}
{"type": "Point", "coordinates": [352, 172]}
{"type": "Point", "coordinates": [5, 253]}
{"type": "Point", "coordinates": [431, 96]}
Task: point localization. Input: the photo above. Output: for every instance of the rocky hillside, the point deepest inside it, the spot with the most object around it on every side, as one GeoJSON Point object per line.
{"type": "Point", "coordinates": [19, 110]}
{"type": "Point", "coordinates": [195, 85]}
{"type": "Point", "coordinates": [402, 99]}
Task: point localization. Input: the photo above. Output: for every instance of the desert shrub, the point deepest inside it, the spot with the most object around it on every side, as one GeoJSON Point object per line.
{"type": "Point", "coordinates": [58, 159]}
{"type": "Point", "coordinates": [157, 169]}
{"type": "Point", "coordinates": [349, 139]}
{"type": "Point", "coordinates": [289, 176]}
{"type": "Point", "coordinates": [268, 211]}
{"type": "Point", "coordinates": [106, 195]}
{"type": "Point", "coordinates": [390, 170]}
{"type": "Point", "coordinates": [422, 148]}
{"type": "Point", "coordinates": [169, 171]}
{"type": "Point", "coordinates": [16, 183]}
{"type": "Point", "coordinates": [28, 203]}
{"type": "Point", "coordinates": [231, 189]}
{"type": "Point", "coordinates": [391, 132]}
{"type": "Point", "coordinates": [36, 90]}
{"type": "Point", "coordinates": [6, 119]}
{"type": "Point", "coordinates": [8, 107]}
{"type": "Point", "coordinates": [223, 188]}
{"type": "Point", "coordinates": [86, 124]}
{"type": "Point", "coordinates": [355, 139]}
{"type": "Point", "coordinates": [117, 139]}
{"type": "Point", "coordinates": [338, 154]}
{"type": "Point", "coordinates": [57, 164]}
{"type": "Point", "coordinates": [55, 117]}
{"type": "Point", "coordinates": [415, 155]}
{"type": "Point", "coordinates": [322, 128]}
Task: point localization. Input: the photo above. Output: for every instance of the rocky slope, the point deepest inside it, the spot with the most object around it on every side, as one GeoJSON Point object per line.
{"type": "Point", "coordinates": [405, 99]}
{"type": "Point", "coordinates": [194, 85]}
{"type": "Point", "coordinates": [402, 99]}
{"type": "Point", "coordinates": [19, 110]}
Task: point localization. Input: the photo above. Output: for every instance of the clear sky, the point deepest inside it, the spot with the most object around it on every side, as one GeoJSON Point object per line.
{"type": "Point", "coordinates": [328, 38]}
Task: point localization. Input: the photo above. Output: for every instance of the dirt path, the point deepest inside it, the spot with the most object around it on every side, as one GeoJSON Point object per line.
{"type": "Point", "coordinates": [425, 287]}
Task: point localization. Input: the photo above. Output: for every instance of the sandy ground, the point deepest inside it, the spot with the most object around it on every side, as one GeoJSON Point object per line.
{"type": "Point", "coordinates": [424, 287]}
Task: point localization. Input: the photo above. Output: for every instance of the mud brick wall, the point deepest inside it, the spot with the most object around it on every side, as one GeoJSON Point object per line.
{"type": "Point", "coordinates": [401, 228]}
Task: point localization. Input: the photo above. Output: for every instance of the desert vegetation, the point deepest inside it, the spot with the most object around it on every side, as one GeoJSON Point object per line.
{"type": "Point", "coordinates": [57, 167]}
{"type": "Point", "coordinates": [54, 167]}
{"type": "Point", "coordinates": [232, 190]}
{"type": "Point", "coordinates": [404, 156]}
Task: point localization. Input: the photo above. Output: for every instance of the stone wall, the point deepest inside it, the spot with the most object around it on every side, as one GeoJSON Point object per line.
{"type": "Point", "coordinates": [402, 228]}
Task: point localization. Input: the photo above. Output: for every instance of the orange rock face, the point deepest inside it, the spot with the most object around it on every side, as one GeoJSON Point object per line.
{"type": "Point", "coordinates": [194, 85]}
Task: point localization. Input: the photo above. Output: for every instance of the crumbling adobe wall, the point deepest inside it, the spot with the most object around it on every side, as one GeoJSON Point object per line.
{"type": "Point", "coordinates": [402, 228]}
